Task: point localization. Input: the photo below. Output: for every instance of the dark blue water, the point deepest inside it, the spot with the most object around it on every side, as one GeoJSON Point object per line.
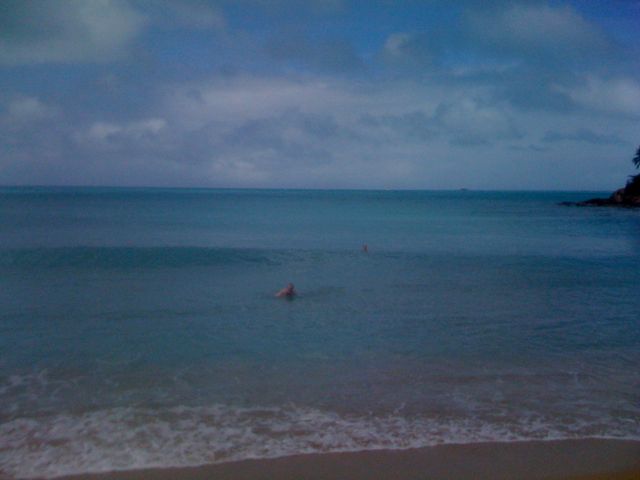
{"type": "Point", "coordinates": [139, 327]}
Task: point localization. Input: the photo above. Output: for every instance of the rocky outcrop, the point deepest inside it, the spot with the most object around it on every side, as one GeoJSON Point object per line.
{"type": "Point", "coordinates": [629, 196]}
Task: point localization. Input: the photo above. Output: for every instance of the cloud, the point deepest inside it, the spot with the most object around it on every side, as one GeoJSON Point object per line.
{"type": "Point", "coordinates": [331, 55]}
{"type": "Point", "coordinates": [197, 14]}
{"type": "Point", "coordinates": [528, 148]}
{"type": "Point", "coordinates": [537, 32]}
{"type": "Point", "coordinates": [260, 131]}
{"type": "Point", "coordinates": [315, 94]}
{"type": "Point", "coordinates": [618, 96]}
{"type": "Point", "coordinates": [289, 8]}
{"type": "Point", "coordinates": [309, 131]}
{"type": "Point", "coordinates": [409, 50]}
{"type": "Point", "coordinates": [464, 121]}
{"type": "Point", "coordinates": [471, 122]}
{"type": "Point", "coordinates": [20, 117]}
{"type": "Point", "coordinates": [415, 126]}
{"type": "Point", "coordinates": [528, 54]}
{"type": "Point", "coordinates": [236, 99]}
{"type": "Point", "coordinates": [103, 131]}
{"type": "Point", "coordinates": [24, 109]}
{"type": "Point", "coordinates": [501, 36]}
{"type": "Point", "coordinates": [317, 132]}
{"type": "Point", "coordinates": [65, 31]}
{"type": "Point", "coordinates": [581, 135]}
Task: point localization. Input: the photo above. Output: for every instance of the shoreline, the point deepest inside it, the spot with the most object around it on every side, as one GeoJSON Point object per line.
{"type": "Point", "coordinates": [590, 459]}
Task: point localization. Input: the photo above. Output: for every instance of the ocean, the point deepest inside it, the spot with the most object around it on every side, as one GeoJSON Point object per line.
{"type": "Point", "coordinates": [139, 327]}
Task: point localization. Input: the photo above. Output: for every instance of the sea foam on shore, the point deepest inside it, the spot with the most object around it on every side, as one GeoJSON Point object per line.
{"type": "Point", "coordinates": [575, 460]}
{"type": "Point", "coordinates": [143, 438]}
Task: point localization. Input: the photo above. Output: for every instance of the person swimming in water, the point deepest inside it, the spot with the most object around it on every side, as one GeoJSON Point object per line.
{"type": "Point", "coordinates": [288, 292]}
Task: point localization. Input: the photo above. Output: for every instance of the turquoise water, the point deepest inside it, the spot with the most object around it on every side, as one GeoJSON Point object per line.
{"type": "Point", "coordinates": [139, 327]}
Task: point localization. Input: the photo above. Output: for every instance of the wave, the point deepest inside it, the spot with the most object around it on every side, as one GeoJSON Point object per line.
{"type": "Point", "coordinates": [132, 257]}
{"type": "Point", "coordinates": [134, 438]}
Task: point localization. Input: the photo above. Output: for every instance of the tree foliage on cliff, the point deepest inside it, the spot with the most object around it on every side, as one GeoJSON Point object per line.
{"type": "Point", "coordinates": [633, 185]}
{"type": "Point", "coordinates": [636, 159]}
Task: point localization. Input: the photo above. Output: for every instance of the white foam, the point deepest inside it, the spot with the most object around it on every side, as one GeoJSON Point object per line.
{"type": "Point", "coordinates": [131, 438]}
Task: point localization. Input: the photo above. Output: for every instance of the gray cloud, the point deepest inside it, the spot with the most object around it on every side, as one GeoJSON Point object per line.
{"type": "Point", "coordinates": [609, 95]}
{"type": "Point", "coordinates": [485, 101]}
{"type": "Point", "coordinates": [534, 55]}
{"type": "Point", "coordinates": [529, 148]}
{"type": "Point", "coordinates": [415, 125]}
{"type": "Point", "coordinates": [198, 14]}
{"type": "Point", "coordinates": [582, 135]}
{"type": "Point", "coordinates": [537, 32]}
{"type": "Point", "coordinates": [471, 122]}
{"type": "Point", "coordinates": [27, 110]}
{"type": "Point", "coordinates": [333, 55]}
{"type": "Point", "coordinates": [289, 8]}
{"type": "Point", "coordinates": [498, 33]}
{"type": "Point", "coordinates": [411, 50]}
{"type": "Point", "coordinates": [33, 32]}
{"type": "Point", "coordinates": [463, 122]}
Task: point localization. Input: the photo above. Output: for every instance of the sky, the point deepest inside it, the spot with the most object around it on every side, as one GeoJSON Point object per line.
{"type": "Point", "coordinates": [380, 94]}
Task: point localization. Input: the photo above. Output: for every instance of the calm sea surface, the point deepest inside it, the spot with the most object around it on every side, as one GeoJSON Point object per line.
{"type": "Point", "coordinates": [139, 327]}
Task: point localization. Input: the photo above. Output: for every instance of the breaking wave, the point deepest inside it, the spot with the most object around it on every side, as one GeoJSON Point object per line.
{"type": "Point", "coordinates": [133, 438]}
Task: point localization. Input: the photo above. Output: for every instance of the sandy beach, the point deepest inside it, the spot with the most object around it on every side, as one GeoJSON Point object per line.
{"type": "Point", "coordinates": [574, 460]}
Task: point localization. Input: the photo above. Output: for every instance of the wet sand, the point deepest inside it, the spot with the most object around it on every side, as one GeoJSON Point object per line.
{"type": "Point", "coordinates": [566, 460]}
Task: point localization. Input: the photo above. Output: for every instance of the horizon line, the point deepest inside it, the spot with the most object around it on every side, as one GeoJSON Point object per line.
{"type": "Point", "coordinates": [362, 189]}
